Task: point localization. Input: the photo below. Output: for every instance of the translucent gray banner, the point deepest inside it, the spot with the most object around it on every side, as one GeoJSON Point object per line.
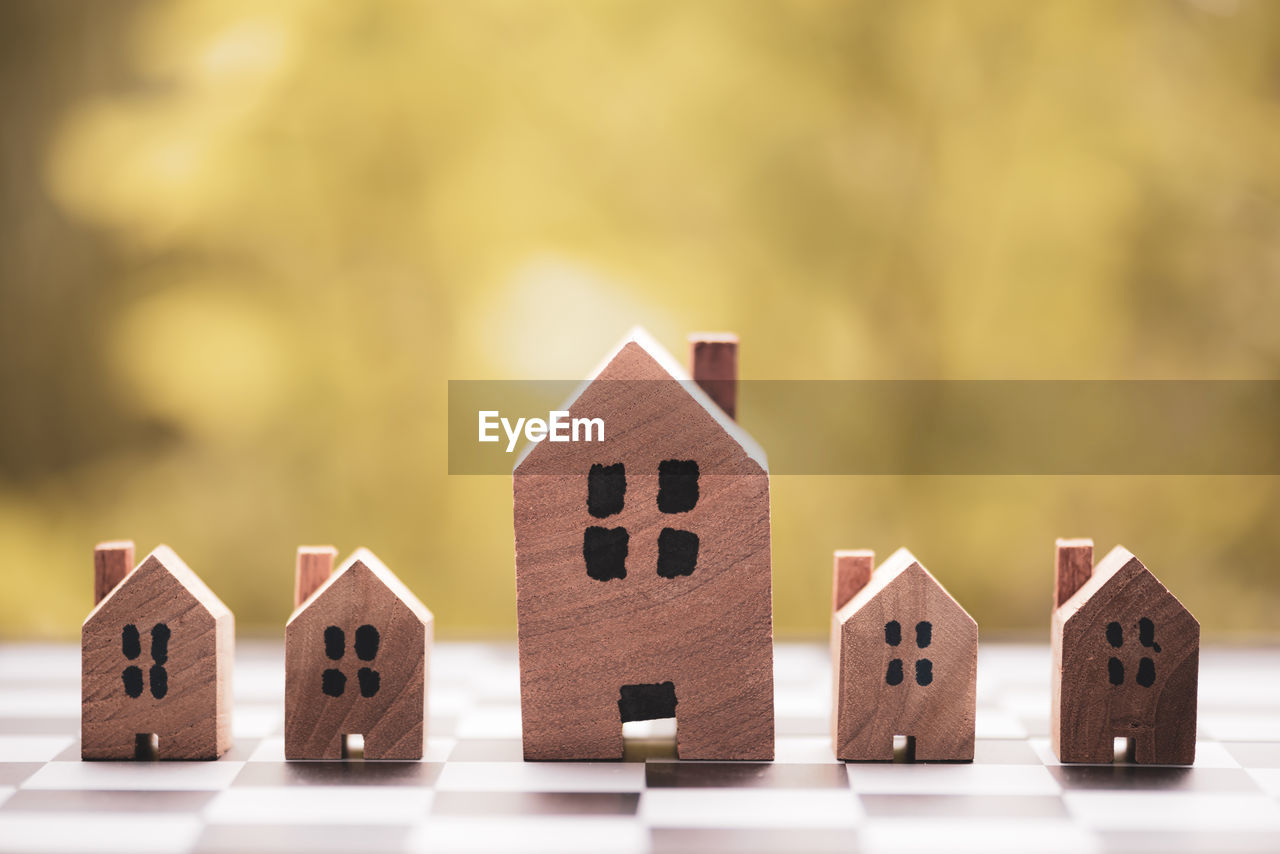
{"type": "Point", "coordinates": [967, 427]}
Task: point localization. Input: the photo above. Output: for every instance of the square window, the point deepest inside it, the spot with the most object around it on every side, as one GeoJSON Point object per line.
{"type": "Point", "coordinates": [606, 489]}
{"type": "Point", "coordinates": [677, 485]}
{"type": "Point", "coordinates": [605, 551]}
{"type": "Point", "coordinates": [677, 552]}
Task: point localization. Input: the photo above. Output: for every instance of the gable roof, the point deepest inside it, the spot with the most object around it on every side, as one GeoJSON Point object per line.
{"type": "Point", "coordinates": [640, 338]}
{"type": "Point", "coordinates": [1119, 566]}
{"type": "Point", "coordinates": [164, 559]}
{"type": "Point", "coordinates": [367, 559]}
{"type": "Point", "coordinates": [900, 563]}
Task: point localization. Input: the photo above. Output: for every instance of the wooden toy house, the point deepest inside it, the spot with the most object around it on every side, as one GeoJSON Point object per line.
{"type": "Point", "coordinates": [356, 656]}
{"type": "Point", "coordinates": [643, 566]}
{"type": "Point", "coordinates": [1126, 662]}
{"type": "Point", "coordinates": [904, 658]}
{"type": "Point", "coordinates": [156, 659]}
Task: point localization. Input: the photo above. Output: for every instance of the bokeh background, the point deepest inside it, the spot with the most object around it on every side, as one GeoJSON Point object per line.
{"type": "Point", "coordinates": [243, 247]}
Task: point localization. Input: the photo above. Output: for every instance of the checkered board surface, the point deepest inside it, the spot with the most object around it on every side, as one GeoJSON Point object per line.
{"type": "Point", "coordinates": [473, 793]}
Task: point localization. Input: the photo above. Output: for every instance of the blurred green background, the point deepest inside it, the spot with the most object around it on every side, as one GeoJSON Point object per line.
{"type": "Point", "coordinates": [243, 247]}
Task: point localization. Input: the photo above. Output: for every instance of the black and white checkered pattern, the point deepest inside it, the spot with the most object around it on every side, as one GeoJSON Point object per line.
{"type": "Point", "coordinates": [473, 792]}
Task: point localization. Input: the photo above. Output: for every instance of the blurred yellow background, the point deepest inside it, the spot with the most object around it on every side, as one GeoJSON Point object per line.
{"type": "Point", "coordinates": [243, 247]}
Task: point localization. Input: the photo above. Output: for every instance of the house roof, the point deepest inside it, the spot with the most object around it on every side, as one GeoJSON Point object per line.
{"type": "Point", "coordinates": [1119, 565]}
{"type": "Point", "coordinates": [165, 559]}
{"type": "Point", "coordinates": [379, 570]}
{"type": "Point", "coordinates": [898, 564]}
{"type": "Point", "coordinates": [668, 363]}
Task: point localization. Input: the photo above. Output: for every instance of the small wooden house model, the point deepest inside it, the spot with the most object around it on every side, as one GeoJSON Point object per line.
{"type": "Point", "coordinates": [643, 565]}
{"type": "Point", "coordinates": [905, 660]}
{"type": "Point", "coordinates": [156, 656]}
{"type": "Point", "coordinates": [356, 653]}
{"type": "Point", "coordinates": [1126, 662]}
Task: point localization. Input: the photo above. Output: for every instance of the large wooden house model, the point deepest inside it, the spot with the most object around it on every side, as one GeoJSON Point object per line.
{"type": "Point", "coordinates": [643, 565]}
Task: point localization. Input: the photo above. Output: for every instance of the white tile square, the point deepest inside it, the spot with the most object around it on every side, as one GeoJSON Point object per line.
{"type": "Point", "coordinates": [270, 749]}
{"type": "Point", "coordinates": [1211, 754]}
{"type": "Point", "coordinates": [750, 808]}
{"type": "Point", "coordinates": [490, 722]}
{"type": "Point", "coordinates": [27, 662]}
{"type": "Point", "coordinates": [808, 750]}
{"type": "Point", "coordinates": [1174, 811]}
{"type": "Point", "coordinates": [542, 777]}
{"type": "Point", "coordinates": [1233, 726]}
{"type": "Point", "coordinates": [1268, 779]}
{"type": "Point", "coordinates": [925, 779]}
{"type": "Point", "coordinates": [1044, 836]}
{"type": "Point", "coordinates": [91, 833]}
{"type": "Point", "coordinates": [257, 721]}
{"type": "Point", "coordinates": [32, 748]}
{"type": "Point", "coordinates": [373, 805]}
{"type": "Point", "coordinates": [137, 776]}
{"type": "Point", "coordinates": [553, 834]}
{"type": "Point", "coordinates": [438, 749]}
{"type": "Point", "coordinates": [450, 702]}
{"type": "Point", "coordinates": [995, 723]}
{"type": "Point", "coordinates": [40, 702]}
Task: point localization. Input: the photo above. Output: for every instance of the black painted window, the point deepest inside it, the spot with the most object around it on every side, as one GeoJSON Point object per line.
{"type": "Point", "coordinates": [604, 550]}
{"type": "Point", "coordinates": [677, 493]}
{"type": "Point", "coordinates": [677, 552]}
{"type": "Point", "coordinates": [1146, 675]}
{"type": "Point", "coordinates": [677, 485]}
{"type": "Point", "coordinates": [158, 676]}
{"type": "Point", "coordinates": [649, 702]}
{"type": "Point", "coordinates": [894, 674]}
{"type": "Point", "coordinates": [333, 682]}
{"type": "Point", "coordinates": [606, 490]}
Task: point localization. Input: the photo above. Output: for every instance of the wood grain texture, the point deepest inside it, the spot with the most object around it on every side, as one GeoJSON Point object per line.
{"type": "Point", "coordinates": [905, 656]}
{"type": "Point", "coordinates": [112, 561]}
{"type": "Point", "coordinates": [851, 573]}
{"type": "Point", "coordinates": [714, 360]}
{"type": "Point", "coordinates": [356, 661]}
{"type": "Point", "coordinates": [312, 568]}
{"type": "Point", "coordinates": [1126, 661]}
{"type": "Point", "coordinates": [1071, 568]}
{"type": "Point", "coordinates": [156, 657]}
{"type": "Point", "coordinates": [708, 632]}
